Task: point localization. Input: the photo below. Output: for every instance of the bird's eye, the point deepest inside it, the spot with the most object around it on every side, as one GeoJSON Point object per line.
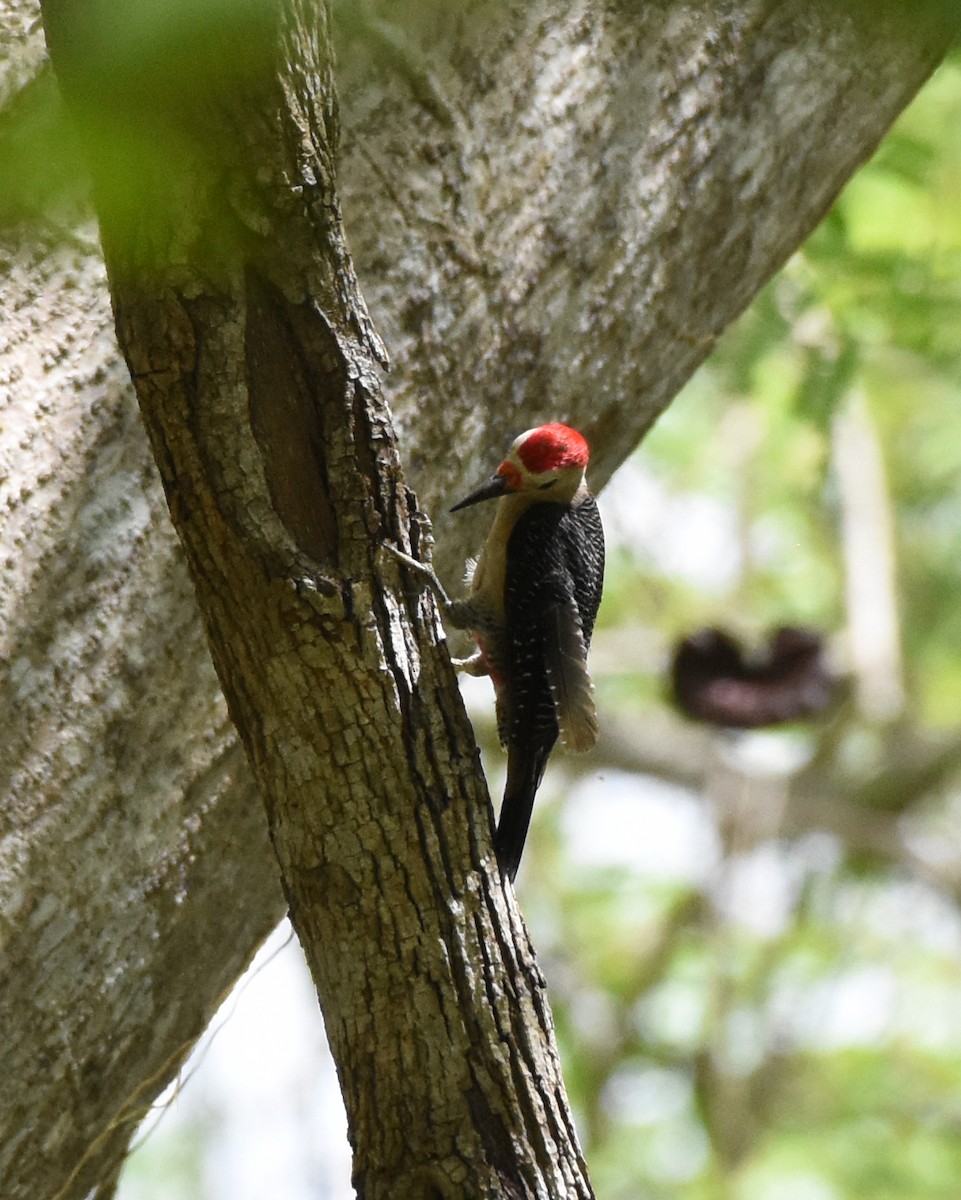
{"type": "Point", "coordinates": [541, 487]}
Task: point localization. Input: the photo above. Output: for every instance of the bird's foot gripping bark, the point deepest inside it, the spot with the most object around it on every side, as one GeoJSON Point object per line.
{"type": "Point", "coordinates": [475, 665]}
{"type": "Point", "coordinates": [456, 612]}
{"type": "Point", "coordinates": [452, 609]}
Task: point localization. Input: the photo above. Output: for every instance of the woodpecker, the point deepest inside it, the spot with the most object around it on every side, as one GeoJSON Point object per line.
{"type": "Point", "coordinates": [534, 594]}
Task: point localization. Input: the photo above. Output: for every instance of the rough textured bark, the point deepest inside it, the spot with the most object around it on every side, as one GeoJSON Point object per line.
{"type": "Point", "coordinates": [253, 361]}
{"type": "Point", "coordinates": [135, 868]}
{"type": "Point", "coordinates": [554, 210]}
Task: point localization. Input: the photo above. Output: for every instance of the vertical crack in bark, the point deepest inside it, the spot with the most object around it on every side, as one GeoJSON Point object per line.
{"type": "Point", "coordinates": [285, 407]}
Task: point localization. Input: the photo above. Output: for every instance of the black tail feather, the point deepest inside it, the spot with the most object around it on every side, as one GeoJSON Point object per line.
{"type": "Point", "coordinates": [525, 769]}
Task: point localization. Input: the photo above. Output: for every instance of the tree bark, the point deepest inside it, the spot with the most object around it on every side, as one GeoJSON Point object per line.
{"type": "Point", "coordinates": [136, 876]}
{"type": "Point", "coordinates": [253, 360]}
{"type": "Point", "coordinates": [554, 212]}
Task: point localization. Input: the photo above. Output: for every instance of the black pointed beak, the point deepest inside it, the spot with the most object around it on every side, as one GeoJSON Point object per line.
{"type": "Point", "coordinates": [497, 485]}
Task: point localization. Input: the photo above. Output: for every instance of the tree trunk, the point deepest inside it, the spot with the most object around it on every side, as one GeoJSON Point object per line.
{"type": "Point", "coordinates": [253, 360]}
{"type": "Point", "coordinates": [554, 211]}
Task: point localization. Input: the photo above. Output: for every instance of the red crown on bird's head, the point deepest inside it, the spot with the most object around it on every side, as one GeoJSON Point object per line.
{"type": "Point", "coordinates": [551, 448]}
